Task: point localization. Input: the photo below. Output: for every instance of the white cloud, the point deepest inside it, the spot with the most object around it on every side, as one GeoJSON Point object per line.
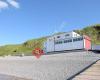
{"type": "Point", "coordinates": [14, 3]}
{"type": "Point", "coordinates": [3, 5]}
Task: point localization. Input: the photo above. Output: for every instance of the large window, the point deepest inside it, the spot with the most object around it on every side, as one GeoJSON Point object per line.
{"type": "Point", "coordinates": [58, 42]}
{"type": "Point", "coordinates": [67, 41]}
{"type": "Point", "coordinates": [66, 35]}
{"type": "Point", "coordinates": [77, 39]}
{"type": "Point", "coordinates": [63, 41]}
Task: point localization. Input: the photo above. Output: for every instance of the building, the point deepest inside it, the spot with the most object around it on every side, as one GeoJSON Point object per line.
{"type": "Point", "coordinates": [67, 41]}
{"type": "Point", "coordinates": [96, 47]}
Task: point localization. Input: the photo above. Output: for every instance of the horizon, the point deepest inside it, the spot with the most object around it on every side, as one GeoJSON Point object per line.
{"type": "Point", "coordinates": [25, 20]}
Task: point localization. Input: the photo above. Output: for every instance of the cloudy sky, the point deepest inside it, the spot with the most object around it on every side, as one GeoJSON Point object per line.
{"type": "Point", "coordinates": [4, 4]}
{"type": "Point", "coordinates": [21, 20]}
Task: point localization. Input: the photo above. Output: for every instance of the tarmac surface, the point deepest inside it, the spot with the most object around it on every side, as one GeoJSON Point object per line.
{"type": "Point", "coordinates": [9, 77]}
{"type": "Point", "coordinates": [48, 67]}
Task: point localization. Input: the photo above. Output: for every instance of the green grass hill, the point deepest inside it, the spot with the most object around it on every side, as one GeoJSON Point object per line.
{"type": "Point", "coordinates": [27, 47]}
{"type": "Point", "coordinates": [92, 31]}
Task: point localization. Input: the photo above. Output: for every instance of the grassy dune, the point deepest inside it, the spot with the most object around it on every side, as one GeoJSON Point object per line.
{"type": "Point", "coordinates": [27, 47]}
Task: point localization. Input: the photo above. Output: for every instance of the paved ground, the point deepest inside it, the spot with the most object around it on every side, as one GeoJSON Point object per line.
{"type": "Point", "coordinates": [48, 67]}
{"type": "Point", "coordinates": [92, 73]}
{"type": "Point", "coordinates": [9, 77]}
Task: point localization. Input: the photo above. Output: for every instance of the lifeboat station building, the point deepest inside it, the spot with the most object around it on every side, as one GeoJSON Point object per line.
{"type": "Point", "coordinates": [67, 41]}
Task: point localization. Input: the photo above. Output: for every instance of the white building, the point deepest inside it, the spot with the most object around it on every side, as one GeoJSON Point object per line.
{"type": "Point", "coordinates": [67, 41]}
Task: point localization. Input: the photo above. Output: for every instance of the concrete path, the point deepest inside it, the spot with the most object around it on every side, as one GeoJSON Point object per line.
{"type": "Point", "coordinates": [9, 77]}
{"type": "Point", "coordinates": [92, 73]}
{"type": "Point", "coordinates": [49, 67]}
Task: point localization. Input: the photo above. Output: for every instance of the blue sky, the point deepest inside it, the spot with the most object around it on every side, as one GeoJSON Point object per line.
{"type": "Point", "coordinates": [21, 20]}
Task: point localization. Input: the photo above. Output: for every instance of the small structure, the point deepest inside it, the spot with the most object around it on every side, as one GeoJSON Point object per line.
{"type": "Point", "coordinates": [96, 48]}
{"type": "Point", "coordinates": [67, 41]}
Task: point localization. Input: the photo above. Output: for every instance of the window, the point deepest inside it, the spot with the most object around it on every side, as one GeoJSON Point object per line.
{"type": "Point", "coordinates": [58, 36]}
{"type": "Point", "coordinates": [81, 38]}
{"type": "Point", "coordinates": [77, 39]}
{"type": "Point", "coordinates": [66, 35]}
{"type": "Point", "coordinates": [58, 42]}
{"type": "Point", "coordinates": [67, 41]}
{"type": "Point", "coordinates": [70, 40]}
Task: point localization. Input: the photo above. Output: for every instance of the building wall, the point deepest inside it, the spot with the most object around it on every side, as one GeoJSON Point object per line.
{"type": "Point", "coordinates": [74, 34]}
{"type": "Point", "coordinates": [59, 45]}
{"type": "Point", "coordinates": [65, 35]}
{"type": "Point", "coordinates": [63, 46]}
{"type": "Point", "coordinates": [50, 44]}
{"type": "Point", "coordinates": [87, 44]}
{"type": "Point", "coordinates": [67, 41]}
{"type": "Point", "coordinates": [78, 45]}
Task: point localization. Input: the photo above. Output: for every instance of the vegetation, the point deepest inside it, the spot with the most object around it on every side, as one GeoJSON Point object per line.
{"type": "Point", "coordinates": [27, 47]}
{"type": "Point", "coordinates": [92, 31]}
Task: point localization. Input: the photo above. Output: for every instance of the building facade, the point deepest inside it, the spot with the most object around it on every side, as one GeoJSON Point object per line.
{"type": "Point", "coordinates": [67, 41]}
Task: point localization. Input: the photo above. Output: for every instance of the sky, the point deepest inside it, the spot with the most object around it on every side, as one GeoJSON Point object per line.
{"type": "Point", "coordinates": [21, 20]}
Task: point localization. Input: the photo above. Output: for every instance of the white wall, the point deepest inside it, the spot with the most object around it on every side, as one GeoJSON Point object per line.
{"type": "Point", "coordinates": [51, 46]}
{"type": "Point", "coordinates": [78, 45]}
{"type": "Point", "coordinates": [64, 46]}
{"type": "Point", "coordinates": [63, 36]}
{"type": "Point", "coordinates": [74, 34]}
{"type": "Point", "coordinates": [69, 46]}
